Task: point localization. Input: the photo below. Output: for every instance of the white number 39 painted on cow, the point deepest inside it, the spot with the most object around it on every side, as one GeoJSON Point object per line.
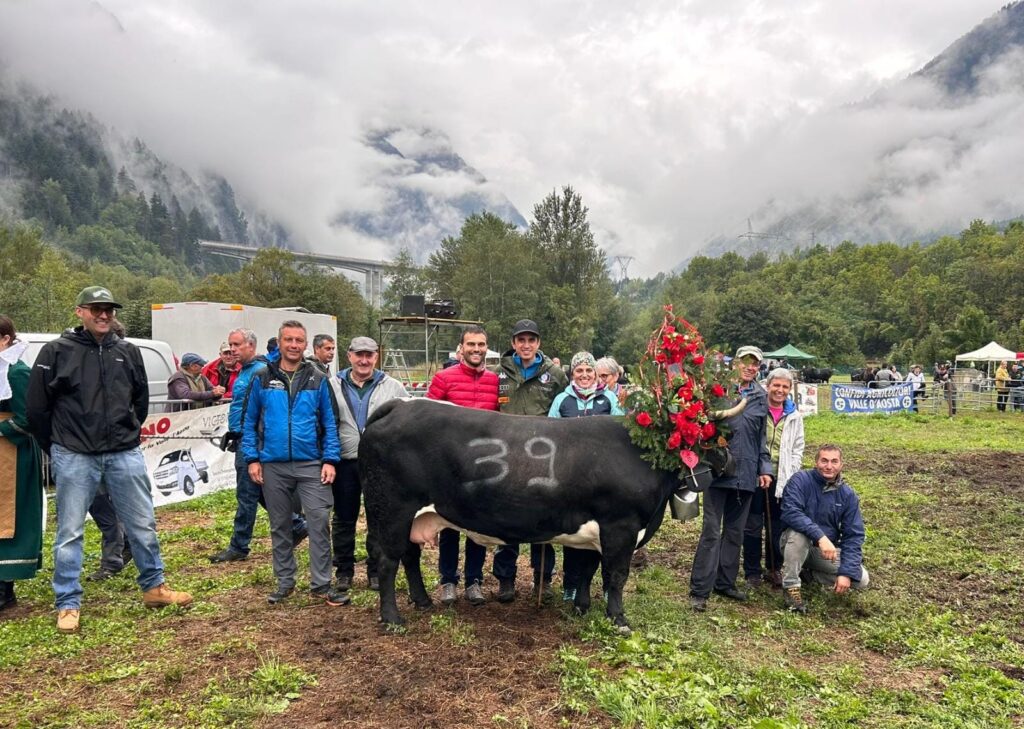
{"type": "Point", "coordinates": [498, 458]}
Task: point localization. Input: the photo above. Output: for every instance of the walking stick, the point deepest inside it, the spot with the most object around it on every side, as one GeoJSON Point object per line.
{"type": "Point", "coordinates": [540, 585]}
{"type": "Point", "coordinates": [771, 537]}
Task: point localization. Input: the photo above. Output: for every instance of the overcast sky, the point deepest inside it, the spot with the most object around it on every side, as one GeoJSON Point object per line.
{"type": "Point", "coordinates": [675, 120]}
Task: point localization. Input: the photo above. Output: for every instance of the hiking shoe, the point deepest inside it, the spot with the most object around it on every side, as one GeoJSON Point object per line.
{"type": "Point", "coordinates": [162, 596]}
{"type": "Point", "coordinates": [343, 583]}
{"type": "Point", "coordinates": [475, 594]}
{"type": "Point", "coordinates": [754, 581]}
{"type": "Point", "coordinates": [102, 574]}
{"type": "Point", "coordinates": [331, 596]}
{"type": "Point", "coordinates": [568, 594]}
{"type": "Point", "coordinates": [506, 590]}
{"type": "Point", "coordinates": [698, 604]}
{"type": "Point", "coordinates": [228, 555]}
{"type": "Point", "coordinates": [794, 601]}
{"type": "Point", "coordinates": [447, 594]}
{"type": "Point", "coordinates": [732, 593]}
{"type": "Point", "coordinates": [67, 620]}
{"type": "Point", "coordinates": [373, 582]}
{"type": "Point", "coordinates": [775, 578]}
{"type": "Point", "coordinates": [279, 594]}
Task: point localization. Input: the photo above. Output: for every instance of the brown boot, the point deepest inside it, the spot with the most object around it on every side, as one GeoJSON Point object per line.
{"type": "Point", "coordinates": [67, 621]}
{"type": "Point", "coordinates": [794, 601]}
{"type": "Point", "coordinates": [162, 596]}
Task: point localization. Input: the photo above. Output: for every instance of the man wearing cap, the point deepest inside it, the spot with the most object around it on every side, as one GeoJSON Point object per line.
{"type": "Point", "coordinates": [189, 383]}
{"type": "Point", "coordinates": [727, 500]}
{"type": "Point", "coordinates": [88, 396]}
{"type": "Point", "coordinates": [528, 382]}
{"type": "Point", "coordinates": [223, 371]}
{"type": "Point", "coordinates": [247, 494]}
{"type": "Point", "coordinates": [359, 390]}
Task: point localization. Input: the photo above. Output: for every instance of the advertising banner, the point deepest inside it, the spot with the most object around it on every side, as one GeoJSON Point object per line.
{"type": "Point", "coordinates": [182, 456]}
{"type": "Point", "coordinates": [853, 399]}
{"type": "Point", "coordinates": [806, 398]}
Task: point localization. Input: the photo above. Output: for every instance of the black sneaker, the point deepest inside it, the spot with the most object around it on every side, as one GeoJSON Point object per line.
{"type": "Point", "coordinates": [698, 603]}
{"type": "Point", "coordinates": [279, 594]}
{"type": "Point", "coordinates": [732, 593]}
{"type": "Point", "coordinates": [343, 583]}
{"type": "Point", "coordinates": [331, 596]}
{"type": "Point", "coordinates": [228, 555]}
{"type": "Point", "coordinates": [506, 590]}
{"type": "Point", "coordinates": [754, 581]}
{"type": "Point", "coordinates": [102, 574]}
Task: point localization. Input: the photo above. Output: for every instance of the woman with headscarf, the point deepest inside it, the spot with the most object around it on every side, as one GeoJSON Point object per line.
{"type": "Point", "coordinates": [21, 481]}
{"type": "Point", "coordinates": [584, 396]}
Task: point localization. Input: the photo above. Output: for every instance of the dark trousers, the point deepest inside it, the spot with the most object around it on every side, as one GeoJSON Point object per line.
{"type": "Point", "coordinates": [249, 496]}
{"type": "Point", "coordinates": [116, 550]}
{"type": "Point", "coordinates": [1002, 397]}
{"type": "Point", "coordinates": [756, 526]}
{"type": "Point", "coordinates": [507, 554]}
{"type": "Point", "coordinates": [448, 558]}
{"type": "Point", "coordinates": [347, 492]}
{"type": "Point", "coordinates": [717, 559]}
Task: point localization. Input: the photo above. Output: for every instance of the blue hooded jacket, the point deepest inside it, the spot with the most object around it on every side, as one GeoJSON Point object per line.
{"type": "Point", "coordinates": [290, 420]}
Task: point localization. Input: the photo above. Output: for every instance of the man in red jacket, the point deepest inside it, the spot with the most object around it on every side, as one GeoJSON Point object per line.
{"type": "Point", "coordinates": [224, 370]}
{"type": "Point", "coordinates": [468, 384]}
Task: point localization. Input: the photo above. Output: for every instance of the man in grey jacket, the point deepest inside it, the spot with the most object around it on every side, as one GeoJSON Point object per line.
{"type": "Point", "coordinates": [359, 390]}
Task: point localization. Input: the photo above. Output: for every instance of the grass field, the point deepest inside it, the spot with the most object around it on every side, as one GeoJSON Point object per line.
{"type": "Point", "coordinates": [938, 641]}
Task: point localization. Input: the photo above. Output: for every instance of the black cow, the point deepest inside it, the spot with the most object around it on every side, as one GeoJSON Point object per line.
{"type": "Point", "coordinates": [815, 374]}
{"type": "Point", "coordinates": [863, 374]}
{"type": "Point", "coordinates": [506, 479]}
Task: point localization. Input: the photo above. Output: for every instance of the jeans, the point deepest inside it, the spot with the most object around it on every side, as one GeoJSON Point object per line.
{"type": "Point", "coordinates": [79, 477]}
{"type": "Point", "coordinates": [448, 558]}
{"type": "Point", "coordinates": [249, 496]}
{"type": "Point", "coordinates": [116, 549]}
{"type": "Point", "coordinates": [347, 492]}
{"type": "Point", "coordinates": [717, 559]}
{"type": "Point", "coordinates": [757, 525]}
{"type": "Point", "coordinates": [798, 552]}
{"type": "Point", "coordinates": [506, 555]}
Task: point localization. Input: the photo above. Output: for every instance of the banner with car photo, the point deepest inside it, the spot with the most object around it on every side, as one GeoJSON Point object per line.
{"type": "Point", "coordinates": [183, 456]}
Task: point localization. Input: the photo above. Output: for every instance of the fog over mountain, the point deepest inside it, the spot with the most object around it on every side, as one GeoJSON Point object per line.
{"type": "Point", "coordinates": [357, 128]}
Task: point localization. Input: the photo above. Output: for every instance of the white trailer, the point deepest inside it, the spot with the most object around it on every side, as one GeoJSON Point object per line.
{"type": "Point", "coordinates": [201, 326]}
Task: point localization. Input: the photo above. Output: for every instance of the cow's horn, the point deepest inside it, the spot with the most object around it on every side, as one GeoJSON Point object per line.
{"type": "Point", "coordinates": [734, 410]}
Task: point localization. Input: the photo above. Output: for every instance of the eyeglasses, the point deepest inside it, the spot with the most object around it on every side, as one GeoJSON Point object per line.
{"type": "Point", "coordinates": [98, 310]}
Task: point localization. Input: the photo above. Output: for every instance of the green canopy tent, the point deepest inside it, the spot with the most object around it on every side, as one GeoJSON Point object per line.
{"type": "Point", "coordinates": [789, 352]}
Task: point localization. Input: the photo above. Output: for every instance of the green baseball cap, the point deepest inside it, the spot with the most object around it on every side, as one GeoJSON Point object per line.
{"type": "Point", "coordinates": [96, 295]}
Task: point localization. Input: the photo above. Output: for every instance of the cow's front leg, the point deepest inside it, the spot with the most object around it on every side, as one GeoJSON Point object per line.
{"type": "Point", "coordinates": [387, 569]}
{"type": "Point", "coordinates": [414, 576]}
{"type": "Point", "coordinates": [617, 546]}
{"type": "Point", "coordinates": [589, 560]}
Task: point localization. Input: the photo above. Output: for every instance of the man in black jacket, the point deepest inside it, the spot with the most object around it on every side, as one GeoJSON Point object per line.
{"type": "Point", "coordinates": [87, 399]}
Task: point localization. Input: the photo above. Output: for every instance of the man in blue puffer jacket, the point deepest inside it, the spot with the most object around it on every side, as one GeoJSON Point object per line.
{"type": "Point", "coordinates": [290, 443]}
{"type": "Point", "coordinates": [822, 529]}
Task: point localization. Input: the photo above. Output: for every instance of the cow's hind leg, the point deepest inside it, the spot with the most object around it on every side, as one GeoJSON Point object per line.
{"type": "Point", "coordinates": [589, 561]}
{"type": "Point", "coordinates": [387, 570]}
{"type": "Point", "coordinates": [414, 576]}
{"type": "Point", "coordinates": [617, 546]}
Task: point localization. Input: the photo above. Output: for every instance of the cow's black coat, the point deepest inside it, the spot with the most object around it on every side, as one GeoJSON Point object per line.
{"type": "Point", "coordinates": [815, 374]}
{"type": "Point", "coordinates": [417, 453]}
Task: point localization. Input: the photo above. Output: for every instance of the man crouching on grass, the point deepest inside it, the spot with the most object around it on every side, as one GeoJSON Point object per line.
{"type": "Point", "coordinates": [822, 529]}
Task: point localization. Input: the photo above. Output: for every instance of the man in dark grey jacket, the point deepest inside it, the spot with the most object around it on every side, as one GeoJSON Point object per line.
{"type": "Point", "coordinates": [727, 501]}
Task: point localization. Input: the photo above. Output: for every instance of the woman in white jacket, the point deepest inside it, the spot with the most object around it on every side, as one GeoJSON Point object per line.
{"type": "Point", "coordinates": [785, 436]}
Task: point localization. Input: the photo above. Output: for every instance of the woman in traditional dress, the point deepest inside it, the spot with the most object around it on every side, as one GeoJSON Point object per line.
{"type": "Point", "coordinates": [21, 481]}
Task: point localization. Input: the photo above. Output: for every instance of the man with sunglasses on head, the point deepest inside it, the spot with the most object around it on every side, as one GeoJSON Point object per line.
{"type": "Point", "coordinates": [88, 396]}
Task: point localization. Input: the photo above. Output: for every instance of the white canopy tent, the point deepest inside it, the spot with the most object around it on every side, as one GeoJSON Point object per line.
{"type": "Point", "coordinates": [991, 352]}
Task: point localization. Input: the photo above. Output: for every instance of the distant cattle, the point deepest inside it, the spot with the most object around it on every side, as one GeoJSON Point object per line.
{"type": "Point", "coordinates": [506, 479]}
{"type": "Point", "coordinates": [864, 374]}
{"type": "Point", "coordinates": [815, 374]}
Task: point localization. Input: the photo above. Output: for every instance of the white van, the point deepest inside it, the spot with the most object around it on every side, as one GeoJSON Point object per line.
{"type": "Point", "coordinates": [156, 356]}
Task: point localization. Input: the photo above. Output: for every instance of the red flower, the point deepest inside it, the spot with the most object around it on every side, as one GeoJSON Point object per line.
{"type": "Point", "coordinates": [694, 410]}
{"type": "Point", "coordinates": [685, 393]}
{"type": "Point", "coordinates": [689, 431]}
{"type": "Point", "coordinates": [698, 359]}
{"type": "Point", "coordinates": [707, 431]}
{"type": "Point", "coordinates": [717, 390]}
{"type": "Point", "coordinates": [643, 420]}
{"type": "Point", "coordinates": [674, 440]}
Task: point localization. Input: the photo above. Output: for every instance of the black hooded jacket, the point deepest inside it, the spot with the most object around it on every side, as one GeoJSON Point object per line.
{"type": "Point", "coordinates": [89, 397]}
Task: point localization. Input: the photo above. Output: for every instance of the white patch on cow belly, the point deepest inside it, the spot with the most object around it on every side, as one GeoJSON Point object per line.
{"type": "Point", "coordinates": [640, 536]}
{"type": "Point", "coordinates": [427, 520]}
{"type": "Point", "coordinates": [588, 536]}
